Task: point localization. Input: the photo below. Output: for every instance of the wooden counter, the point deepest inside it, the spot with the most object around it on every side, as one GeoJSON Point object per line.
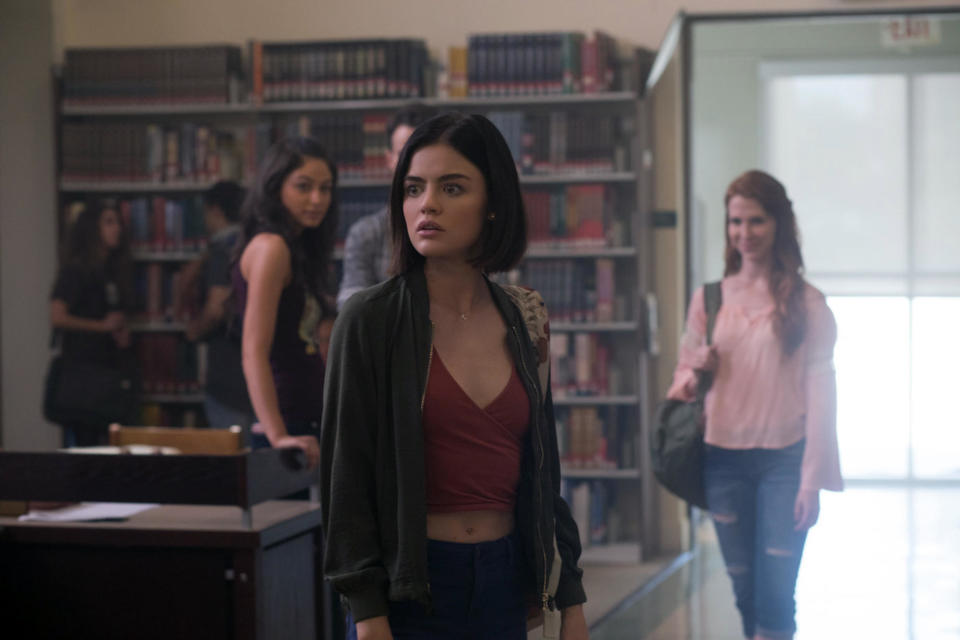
{"type": "Point", "coordinates": [174, 571]}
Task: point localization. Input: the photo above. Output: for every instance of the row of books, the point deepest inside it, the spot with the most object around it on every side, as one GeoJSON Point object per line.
{"type": "Point", "coordinates": [504, 64]}
{"type": "Point", "coordinates": [581, 365]}
{"type": "Point", "coordinates": [542, 143]}
{"type": "Point", "coordinates": [129, 152]}
{"type": "Point", "coordinates": [590, 506]}
{"type": "Point", "coordinates": [563, 141]}
{"type": "Point", "coordinates": [161, 294]}
{"type": "Point", "coordinates": [164, 224]}
{"type": "Point", "coordinates": [574, 290]}
{"type": "Point", "coordinates": [169, 364]}
{"type": "Point", "coordinates": [156, 75]}
{"type": "Point", "coordinates": [582, 440]}
{"type": "Point", "coordinates": [499, 64]}
{"type": "Point", "coordinates": [358, 143]}
{"type": "Point", "coordinates": [337, 70]}
{"type": "Point", "coordinates": [575, 216]}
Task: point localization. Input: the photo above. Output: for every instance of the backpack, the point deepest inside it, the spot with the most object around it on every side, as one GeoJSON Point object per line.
{"type": "Point", "coordinates": [676, 440]}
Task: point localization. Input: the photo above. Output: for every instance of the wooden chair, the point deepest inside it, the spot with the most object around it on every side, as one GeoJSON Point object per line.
{"type": "Point", "coordinates": [186, 440]}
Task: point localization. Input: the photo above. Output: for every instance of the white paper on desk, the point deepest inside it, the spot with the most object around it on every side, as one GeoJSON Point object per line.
{"type": "Point", "coordinates": [88, 511]}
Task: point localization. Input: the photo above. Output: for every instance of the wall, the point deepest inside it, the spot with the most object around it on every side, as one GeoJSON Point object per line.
{"type": "Point", "coordinates": [727, 118]}
{"type": "Point", "coordinates": [27, 219]}
{"type": "Point", "coordinates": [441, 22]}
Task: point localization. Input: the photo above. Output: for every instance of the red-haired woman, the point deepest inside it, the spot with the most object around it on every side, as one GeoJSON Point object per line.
{"type": "Point", "coordinates": [771, 411]}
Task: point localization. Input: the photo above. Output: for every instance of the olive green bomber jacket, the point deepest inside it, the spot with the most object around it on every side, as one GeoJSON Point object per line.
{"type": "Point", "coordinates": [373, 487]}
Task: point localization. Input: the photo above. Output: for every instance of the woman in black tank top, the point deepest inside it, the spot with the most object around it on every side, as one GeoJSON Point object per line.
{"type": "Point", "coordinates": [282, 292]}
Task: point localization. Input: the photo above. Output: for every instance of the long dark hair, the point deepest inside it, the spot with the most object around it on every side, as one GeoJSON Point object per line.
{"type": "Point", "coordinates": [786, 279]}
{"type": "Point", "coordinates": [264, 211]}
{"type": "Point", "coordinates": [84, 250]}
{"type": "Point", "coordinates": [473, 136]}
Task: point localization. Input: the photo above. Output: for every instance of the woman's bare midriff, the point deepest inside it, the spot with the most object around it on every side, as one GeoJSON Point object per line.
{"type": "Point", "coordinates": [469, 526]}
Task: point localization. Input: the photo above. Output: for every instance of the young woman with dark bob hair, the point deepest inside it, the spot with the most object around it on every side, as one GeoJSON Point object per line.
{"type": "Point", "coordinates": [440, 477]}
{"type": "Point", "coordinates": [280, 282]}
{"type": "Point", "coordinates": [771, 410]}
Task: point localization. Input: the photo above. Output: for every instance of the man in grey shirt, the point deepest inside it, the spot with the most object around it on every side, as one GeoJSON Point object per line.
{"type": "Point", "coordinates": [226, 402]}
{"type": "Point", "coordinates": [368, 252]}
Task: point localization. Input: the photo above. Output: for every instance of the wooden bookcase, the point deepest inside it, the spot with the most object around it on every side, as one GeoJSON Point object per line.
{"type": "Point", "coordinates": [616, 487]}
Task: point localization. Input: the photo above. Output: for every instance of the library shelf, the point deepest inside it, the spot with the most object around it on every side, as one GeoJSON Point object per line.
{"type": "Point", "coordinates": [578, 177]}
{"type": "Point", "coordinates": [158, 109]}
{"type": "Point", "coordinates": [578, 252]}
{"type": "Point", "coordinates": [627, 191]}
{"type": "Point", "coordinates": [249, 108]}
{"type": "Point", "coordinates": [172, 398]}
{"type": "Point", "coordinates": [120, 186]}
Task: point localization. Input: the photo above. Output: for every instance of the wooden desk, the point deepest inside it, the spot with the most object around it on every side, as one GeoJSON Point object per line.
{"type": "Point", "coordinates": [173, 572]}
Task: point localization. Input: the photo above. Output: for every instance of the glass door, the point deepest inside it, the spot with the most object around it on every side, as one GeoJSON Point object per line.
{"type": "Point", "coordinates": [870, 153]}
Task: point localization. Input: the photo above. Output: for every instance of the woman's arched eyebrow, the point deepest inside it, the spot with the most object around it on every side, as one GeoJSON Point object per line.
{"type": "Point", "coordinates": [445, 177]}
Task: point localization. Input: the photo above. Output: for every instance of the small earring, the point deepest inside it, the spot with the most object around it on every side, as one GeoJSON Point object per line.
{"type": "Point", "coordinates": [491, 216]}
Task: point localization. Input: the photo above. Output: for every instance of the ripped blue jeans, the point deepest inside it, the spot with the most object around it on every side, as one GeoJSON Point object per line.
{"type": "Point", "coordinates": [750, 494]}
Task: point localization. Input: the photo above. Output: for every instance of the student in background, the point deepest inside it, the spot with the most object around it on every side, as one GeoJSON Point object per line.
{"type": "Point", "coordinates": [440, 476]}
{"type": "Point", "coordinates": [89, 301]}
{"type": "Point", "coordinates": [771, 410]}
{"type": "Point", "coordinates": [226, 401]}
{"type": "Point", "coordinates": [283, 294]}
{"type": "Point", "coordinates": [368, 252]}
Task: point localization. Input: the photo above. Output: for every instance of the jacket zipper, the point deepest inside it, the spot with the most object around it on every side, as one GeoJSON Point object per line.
{"type": "Point", "coordinates": [545, 596]}
{"type": "Point", "coordinates": [426, 379]}
{"type": "Point", "coordinates": [423, 399]}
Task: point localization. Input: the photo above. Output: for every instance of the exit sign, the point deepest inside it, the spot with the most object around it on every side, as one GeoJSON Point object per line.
{"type": "Point", "coordinates": [911, 30]}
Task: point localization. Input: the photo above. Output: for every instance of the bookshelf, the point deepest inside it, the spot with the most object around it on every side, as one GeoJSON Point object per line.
{"type": "Point", "coordinates": [585, 170]}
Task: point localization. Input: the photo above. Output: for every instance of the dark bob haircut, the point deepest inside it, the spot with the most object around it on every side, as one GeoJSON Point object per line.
{"type": "Point", "coordinates": [504, 238]}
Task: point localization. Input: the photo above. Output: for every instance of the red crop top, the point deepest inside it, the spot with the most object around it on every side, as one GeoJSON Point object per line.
{"type": "Point", "coordinates": [473, 455]}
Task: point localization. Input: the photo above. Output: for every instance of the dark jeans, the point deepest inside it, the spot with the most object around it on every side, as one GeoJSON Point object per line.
{"type": "Point", "coordinates": [477, 592]}
{"type": "Point", "coordinates": [751, 493]}
{"type": "Point", "coordinates": [78, 435]}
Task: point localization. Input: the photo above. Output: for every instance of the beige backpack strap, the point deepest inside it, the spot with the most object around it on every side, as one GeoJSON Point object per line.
{"type": "Point", "coordinates": [534, 313]}
{"type": "Point", "coordinates": [551, 618]}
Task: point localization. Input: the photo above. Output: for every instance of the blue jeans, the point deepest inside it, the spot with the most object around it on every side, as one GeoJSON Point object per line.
{"type": "Point", "coordinates": [75, 435]}
{"type": "Point", "coordinates": [751, 493]}
{"type": "Point", "coordinates": [477, 592]}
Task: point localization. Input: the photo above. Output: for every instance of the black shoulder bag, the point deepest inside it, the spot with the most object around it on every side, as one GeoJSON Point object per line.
{"type": "Point", "coordinates": [676, 440]}
{"type": "Point", "coordinates": [89, 393]}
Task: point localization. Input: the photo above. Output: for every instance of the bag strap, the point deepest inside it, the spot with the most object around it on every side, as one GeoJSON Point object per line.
{"type": "Point", "coordinates": [712, 299]}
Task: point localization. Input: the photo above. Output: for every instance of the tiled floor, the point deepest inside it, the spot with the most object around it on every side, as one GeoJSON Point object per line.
{"type": "Point", "coordinates": [882, 564]}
